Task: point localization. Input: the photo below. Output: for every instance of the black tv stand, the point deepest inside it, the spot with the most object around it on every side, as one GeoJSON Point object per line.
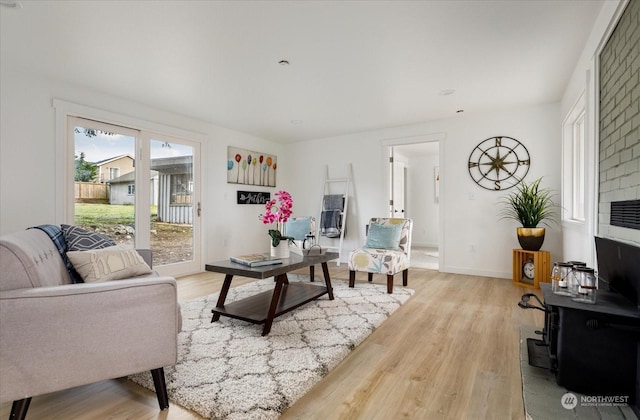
{"type": "Point", "coordinates": [593, 348]}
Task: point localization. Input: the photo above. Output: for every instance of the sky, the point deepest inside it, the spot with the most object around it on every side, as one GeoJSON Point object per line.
{"type": "Point", "coordinates": [104, 146]}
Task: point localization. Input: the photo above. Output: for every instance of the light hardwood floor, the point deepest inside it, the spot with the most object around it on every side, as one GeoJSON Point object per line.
{"type": "Point", "coordinates": [450, 352]}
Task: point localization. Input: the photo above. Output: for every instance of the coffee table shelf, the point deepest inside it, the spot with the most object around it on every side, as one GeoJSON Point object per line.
{"type": "Point", "coordinates": [255, 308]}
{"type": "Point", "coordinates": [263, 307]}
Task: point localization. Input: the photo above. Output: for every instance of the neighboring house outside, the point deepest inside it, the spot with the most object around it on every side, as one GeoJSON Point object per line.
{"type": "Point", "coordinates": [171, 189]}
{"type": "Point", "coordinates": [175, 189]}
{"type": "Point", "coordinates": [114, 167]}
{"type": "Point", "coordinates": [122, 189]}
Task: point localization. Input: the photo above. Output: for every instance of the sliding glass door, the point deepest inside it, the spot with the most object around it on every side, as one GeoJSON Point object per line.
{"type": "Point", "coordinates": [175, 200]}
{"type": "Point", "coordinates": [139, 188]}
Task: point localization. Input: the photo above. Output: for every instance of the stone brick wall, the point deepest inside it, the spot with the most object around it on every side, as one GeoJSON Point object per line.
{"type": "Point", "coordinates": [620, 121]}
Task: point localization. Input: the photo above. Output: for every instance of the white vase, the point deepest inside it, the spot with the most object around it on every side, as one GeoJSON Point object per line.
{"type": "Point", "coordinates": [280, 251]}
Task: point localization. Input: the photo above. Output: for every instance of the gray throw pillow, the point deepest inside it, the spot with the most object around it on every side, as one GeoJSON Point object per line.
{"type": "Point", "coordinates": [79, 239]}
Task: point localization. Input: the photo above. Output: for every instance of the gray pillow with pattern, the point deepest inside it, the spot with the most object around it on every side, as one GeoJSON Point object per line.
{"type": "Point", "coordinates": [79, 239]}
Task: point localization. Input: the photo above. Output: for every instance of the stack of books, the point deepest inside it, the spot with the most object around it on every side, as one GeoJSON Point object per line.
{"type": "Point", "coordinates": [255, 260]}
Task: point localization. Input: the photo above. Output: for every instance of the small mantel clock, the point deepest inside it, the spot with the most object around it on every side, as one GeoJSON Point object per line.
{"type": "Point", "coordinates": [530, 268]}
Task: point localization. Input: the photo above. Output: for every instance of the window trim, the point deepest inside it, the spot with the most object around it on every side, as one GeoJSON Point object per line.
{"type": "Point", "coordinates": [574, 149]}
{"type": "Point", "coordinates": [64, 171]}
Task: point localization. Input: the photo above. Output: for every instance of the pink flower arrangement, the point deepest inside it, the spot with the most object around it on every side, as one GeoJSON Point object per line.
{"type": "Point", "coordinates": [279, 210]}
{"type": "Point", "coordinates": [282, 212]}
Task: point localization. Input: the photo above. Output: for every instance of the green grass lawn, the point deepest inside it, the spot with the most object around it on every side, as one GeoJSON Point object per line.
{"type": "Point", "coordinates": [171, 243]}
{"type": "Point", "coordinates": [88, 214]}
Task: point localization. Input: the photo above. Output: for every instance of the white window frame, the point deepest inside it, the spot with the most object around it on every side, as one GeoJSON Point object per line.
{"type": "Point", "coordinates": [65, 170]}
{"type": "Point", "coordinates": [574, 143]}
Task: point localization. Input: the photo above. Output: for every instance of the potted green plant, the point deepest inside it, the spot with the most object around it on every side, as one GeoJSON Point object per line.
{"type": "Point", "coordinates": [530, 205]}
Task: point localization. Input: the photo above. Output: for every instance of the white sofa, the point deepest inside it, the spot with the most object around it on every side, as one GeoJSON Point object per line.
{"type": "Point", "coordinates": [56, 335]}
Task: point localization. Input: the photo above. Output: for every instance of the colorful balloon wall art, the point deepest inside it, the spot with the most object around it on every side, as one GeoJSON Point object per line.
{"type": "Point", "coordinates": [249, 167]}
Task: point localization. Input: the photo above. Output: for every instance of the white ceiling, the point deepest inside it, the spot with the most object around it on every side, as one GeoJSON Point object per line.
{"type": "Point", "coordinates": [354, 66]}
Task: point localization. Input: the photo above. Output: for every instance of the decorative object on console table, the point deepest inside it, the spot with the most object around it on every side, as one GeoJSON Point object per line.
{"type": "Point", "coordinates": [278, 214]}
{"type": "Point", "coordinates": [530, 205]}
{"type": "Point", "coordinates": [530, 268]}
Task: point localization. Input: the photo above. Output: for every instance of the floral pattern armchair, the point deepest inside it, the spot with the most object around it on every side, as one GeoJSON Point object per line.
{"type": "Point", "coordinates": [384, 261]}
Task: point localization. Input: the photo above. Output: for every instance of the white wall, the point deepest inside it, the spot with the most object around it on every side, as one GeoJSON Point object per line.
{"type": "Point", "coordinates": [469, 213]}
{"type": "Point", "coordinates": [28, 185]}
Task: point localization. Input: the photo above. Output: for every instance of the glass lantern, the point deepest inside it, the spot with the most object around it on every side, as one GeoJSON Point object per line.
{"type": "Point", "coordinates": [587, 285]}
{"type": "Point", "coordinates": [572, 284]}
{"type": "Point", "coordinates": [561, 278]}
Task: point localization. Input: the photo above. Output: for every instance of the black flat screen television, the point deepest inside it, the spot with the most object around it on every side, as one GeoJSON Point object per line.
{"type": "Point", "coordinates": [619, 267]}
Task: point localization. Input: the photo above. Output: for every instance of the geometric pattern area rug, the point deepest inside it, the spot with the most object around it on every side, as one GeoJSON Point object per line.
{"type": "Point", "coordinates": [227, 370]}
{"type": "Point", "coordinates": [544, 399]}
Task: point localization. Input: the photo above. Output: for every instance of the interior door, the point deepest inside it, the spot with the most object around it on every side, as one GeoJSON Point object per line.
{"type": "Point", "coordinates": [397, 201]}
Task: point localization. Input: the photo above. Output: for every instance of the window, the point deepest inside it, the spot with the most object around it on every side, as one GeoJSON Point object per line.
{"type": "Point", "coordinates": [137, 198]}
{"type": "Point", "coordinates": [573, 163]}
{"type": "Point", "coordinates": [578, 168]}
{"type": "Point", "coordinates": [181, 189]}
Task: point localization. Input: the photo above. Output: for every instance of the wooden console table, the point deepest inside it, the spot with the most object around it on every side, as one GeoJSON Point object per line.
{"type": "Point", "coordinates": [264, 307]}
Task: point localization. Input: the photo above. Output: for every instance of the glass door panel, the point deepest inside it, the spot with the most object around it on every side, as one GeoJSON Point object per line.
{"type": "Point", "coordinates": [104, 179]}
{"type": "Point", "coordinates": [140, 189]}
{"type": "Point", "coordinates": [174, 203]}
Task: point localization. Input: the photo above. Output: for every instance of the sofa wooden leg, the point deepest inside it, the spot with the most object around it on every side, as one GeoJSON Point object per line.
{"type": "Point", "coordinates": [161, 387]}
{"type": "Point", "coordinates": [312, 272]}
{"type": "Point", "coordinates": [19, 409]}
{"type": "Point", "coordinates": [352, 278]}
{"type": "Point", "coordinates": [405, 277]}
{"type": "Point", "coordinates": [370, 277]}
{"type": "Point", "coordinates": [389, 283]}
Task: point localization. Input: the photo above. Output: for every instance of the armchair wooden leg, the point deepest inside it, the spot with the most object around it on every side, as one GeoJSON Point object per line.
{"type": "Point", "coordinates": [405, 277]}
{"type": "Point", "coordinates": [161, 387]}
{"type": "Point", "coordinates": [352, 278]}
{"type": "Point", "coordinates": [370, 277]}
{"type": "Point", "coordinates": [389, 283]}
{"type": "Point", "coordinates": [19, 409]}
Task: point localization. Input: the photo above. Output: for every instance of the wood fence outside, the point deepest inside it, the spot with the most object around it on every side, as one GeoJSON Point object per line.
{"type": "Point", "coordinates": [91, 192]}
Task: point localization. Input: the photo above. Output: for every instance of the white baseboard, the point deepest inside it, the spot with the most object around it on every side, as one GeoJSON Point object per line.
{"type": "Point", "coordinates": [475, 272]}
{"type": "Point", "coordinates": [425, 244]}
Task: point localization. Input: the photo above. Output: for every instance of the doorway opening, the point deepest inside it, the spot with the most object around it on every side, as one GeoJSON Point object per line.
{"type": "Point", "coordinates": [414, 193]}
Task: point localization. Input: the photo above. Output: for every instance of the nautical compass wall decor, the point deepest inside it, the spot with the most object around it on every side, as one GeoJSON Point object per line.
{"type": "Point", "coordinates": [499, 163]}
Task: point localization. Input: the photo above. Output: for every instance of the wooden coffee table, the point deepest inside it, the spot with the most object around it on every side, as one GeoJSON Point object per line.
{"type": "Point", "coordinates": [264, 307]}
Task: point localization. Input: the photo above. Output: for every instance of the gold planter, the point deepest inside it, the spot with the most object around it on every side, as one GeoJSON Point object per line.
{"type": "Point", "coordinates": [531, 239]}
